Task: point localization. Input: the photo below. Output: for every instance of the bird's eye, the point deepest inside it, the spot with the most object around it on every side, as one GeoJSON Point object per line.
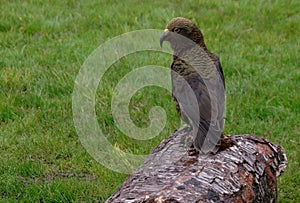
{"type": "Point", "coordinates": [176, 29]}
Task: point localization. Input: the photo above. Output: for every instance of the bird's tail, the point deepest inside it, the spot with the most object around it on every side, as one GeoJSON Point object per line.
{"type": "Point", "coordinates": [207, 137]}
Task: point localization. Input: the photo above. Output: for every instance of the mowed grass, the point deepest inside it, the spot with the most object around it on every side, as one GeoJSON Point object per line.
{"type": "Point", "coordinates": [44, 43]}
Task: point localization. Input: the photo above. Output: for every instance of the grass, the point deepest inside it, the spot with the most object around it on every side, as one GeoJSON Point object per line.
{"type": "Point", "coordinates": [44, 43]}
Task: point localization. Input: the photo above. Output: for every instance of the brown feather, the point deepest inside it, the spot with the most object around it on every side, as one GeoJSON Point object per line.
{"type": "Point", "coordinates": [195, 64]}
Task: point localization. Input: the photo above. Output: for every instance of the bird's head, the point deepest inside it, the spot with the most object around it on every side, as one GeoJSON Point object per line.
{"type": "Point", "coordinates": [181, 26]}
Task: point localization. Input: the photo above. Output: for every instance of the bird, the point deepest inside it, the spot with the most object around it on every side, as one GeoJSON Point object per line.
{"type": "Point", "coordinates": [198, 84]}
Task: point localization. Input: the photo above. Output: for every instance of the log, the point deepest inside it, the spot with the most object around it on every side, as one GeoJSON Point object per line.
{"type": "Point", "coordinates": [243, 170]}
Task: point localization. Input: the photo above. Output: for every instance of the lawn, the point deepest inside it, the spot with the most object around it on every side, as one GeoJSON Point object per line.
{"type": "Point", "coordinates": [43, 45]}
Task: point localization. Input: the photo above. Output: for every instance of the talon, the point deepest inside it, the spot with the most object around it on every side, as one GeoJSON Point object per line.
{"type": "Point", "coordinates": [192, 151]}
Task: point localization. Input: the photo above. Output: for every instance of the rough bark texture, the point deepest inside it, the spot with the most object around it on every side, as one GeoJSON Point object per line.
{"type": "Point", "coordinates": [246, 171]}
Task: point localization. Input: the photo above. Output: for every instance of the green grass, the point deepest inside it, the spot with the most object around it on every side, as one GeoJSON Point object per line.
{"type": "Point", "coordinates": [44, 43]}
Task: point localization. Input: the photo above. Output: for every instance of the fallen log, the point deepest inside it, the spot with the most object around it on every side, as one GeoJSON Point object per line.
{"type": "Point", "coordinates": [243, 171]}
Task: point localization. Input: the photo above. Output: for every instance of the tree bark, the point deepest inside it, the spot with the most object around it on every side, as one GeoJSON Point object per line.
{"type": "Point", "coordinates": [245, 170]}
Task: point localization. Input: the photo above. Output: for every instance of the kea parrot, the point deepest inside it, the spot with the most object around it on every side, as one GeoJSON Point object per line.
{"type": "Point", "coordinates": [198, 84]}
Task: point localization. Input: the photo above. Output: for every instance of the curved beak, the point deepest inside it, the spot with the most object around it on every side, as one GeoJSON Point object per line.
{"type": "Point", "coordinates": [163, 37]}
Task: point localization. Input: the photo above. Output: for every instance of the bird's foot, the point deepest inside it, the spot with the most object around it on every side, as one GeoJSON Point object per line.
{"type": "Point", "coordinates": [192, 151]}
{"type": "Point", "coordinates": [202, 151]}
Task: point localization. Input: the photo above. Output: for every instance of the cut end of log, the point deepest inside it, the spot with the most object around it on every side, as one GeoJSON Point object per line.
{"type": "Point", "coordinates": [245, 169]}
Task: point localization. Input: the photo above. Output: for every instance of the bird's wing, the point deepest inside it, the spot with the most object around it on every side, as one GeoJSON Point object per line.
{"type": "Point", "coordinates": [200, 92]}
